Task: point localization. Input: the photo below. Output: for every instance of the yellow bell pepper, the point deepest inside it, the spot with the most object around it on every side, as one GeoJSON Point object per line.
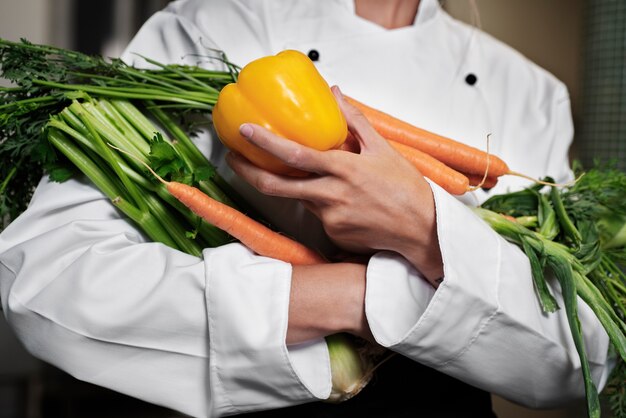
{"type": "Point", "coordinates": [285, 94]}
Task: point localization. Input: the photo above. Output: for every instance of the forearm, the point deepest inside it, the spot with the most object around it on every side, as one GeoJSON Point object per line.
{"type": "Point", "coordinates": [326, 299]}
{"type": "Point", "coordinates": [344, 192]}
{"type": "Point", "coordinates": [483, 325]}
{"type": "Point", "coordinates": [122, 297]}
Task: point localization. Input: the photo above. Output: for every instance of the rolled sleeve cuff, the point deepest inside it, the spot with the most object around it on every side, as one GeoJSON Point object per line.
{"type": "Point", "coordinates": [250, 366]}
{"type": "Point", "coordinates": [396, 296]}
{"type": "Point", "coordinates": [407, 315]}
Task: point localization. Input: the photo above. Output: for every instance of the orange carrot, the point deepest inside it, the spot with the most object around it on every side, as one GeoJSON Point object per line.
{"type": "Point", "coordinates": [252, 234]}
{"type": "Point", "coordinates": [477, 179]}
{"type": "Point", "coordinates": [449, 179]}
{"type": "Point", "coordinates": [454, 154]}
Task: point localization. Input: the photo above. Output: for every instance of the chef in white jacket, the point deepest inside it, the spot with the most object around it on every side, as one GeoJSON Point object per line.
{"type": "Point", "coordinates": [219, 335]}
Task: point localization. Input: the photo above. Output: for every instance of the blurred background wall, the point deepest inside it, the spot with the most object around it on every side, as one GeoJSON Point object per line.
{"type": "Point", "coordinates": [582, 42]}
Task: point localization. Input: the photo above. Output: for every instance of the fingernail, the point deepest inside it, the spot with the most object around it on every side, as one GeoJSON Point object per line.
{"type": "Point", "coordinates": [246, 130]}
{"type": "Point", "coordinates": [338, 91]}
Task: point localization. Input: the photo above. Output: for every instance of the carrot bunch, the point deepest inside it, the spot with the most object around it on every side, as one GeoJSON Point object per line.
{"type": "Point", "coordinates": [455, 166]}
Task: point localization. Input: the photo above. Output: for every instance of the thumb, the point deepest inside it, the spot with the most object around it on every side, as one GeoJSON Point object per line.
{"type": "Point", "coordinates": [369, 140]}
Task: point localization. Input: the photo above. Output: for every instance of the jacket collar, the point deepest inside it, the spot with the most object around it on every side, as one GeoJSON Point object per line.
{"type": "Point", "coordinates": [426, 11]}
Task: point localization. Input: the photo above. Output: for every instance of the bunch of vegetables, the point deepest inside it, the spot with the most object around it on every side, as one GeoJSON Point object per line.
{"type": "Point", "coordinates": [578, 235]}
{"type": "Point", "coordinates": [124, 127]}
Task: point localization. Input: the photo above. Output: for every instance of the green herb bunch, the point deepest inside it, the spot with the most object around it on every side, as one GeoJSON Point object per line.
{"type": "Point", "coordinates": [45, 80]}
{"type": "Point", "coordinates": [578, 235]}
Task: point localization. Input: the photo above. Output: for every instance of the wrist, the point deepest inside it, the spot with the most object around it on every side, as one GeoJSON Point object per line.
{"type": "Point", "coordinates": [327, 299]}
{"type": "Point", "coordinates": [355, 302]}
{"type": "Point", "coordinates": [419, 241]}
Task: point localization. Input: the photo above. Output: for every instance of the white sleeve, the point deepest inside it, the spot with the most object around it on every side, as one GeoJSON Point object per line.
{"type": "Point", "coordinates": [84, 291]}
{"type": "Point", "coordinates": [484, 325]}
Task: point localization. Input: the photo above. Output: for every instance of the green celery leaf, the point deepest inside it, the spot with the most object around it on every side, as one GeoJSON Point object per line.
{"type": "Point", "coordinates": [166, 162]}
{"type": "Point", "coordinates": [203, 173]}
{"type": "Point", "coordinates": [60, 174]}
{"type": "Point", "coordinates": [521, 203]}
{"type": "Point", "coordinates": [161, 150]}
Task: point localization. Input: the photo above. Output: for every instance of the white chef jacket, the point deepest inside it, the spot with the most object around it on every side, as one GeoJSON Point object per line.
{"type": "Point", "coordinates": [85, 290]}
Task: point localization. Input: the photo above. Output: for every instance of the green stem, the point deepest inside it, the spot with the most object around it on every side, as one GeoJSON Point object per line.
{"type": "Point", "coordinates": [195, 155]}
{"type": "Point", "coordinates": [85, 164]}
{"type": "Point", "coordinates": [565, 275]}
{"type": "Point", "coordinates": [143, 125]}
{"type": "Point", "coordinates": [601, 280]}
{"type": "Point", "coordinates": [152, 78]}
{"type": "Point", "coordinates": [173, 69]}
{"type": "Point", "coordinates": [199, 73]}
{"type": "Point", "coordinates": [108, 130]}
{"type": "Point", "coordinates": [621, 308]}
{"type": "Point", "coordinates": [527, 221]}
{"type": "Point", "coordinates": [548, 303]}
{"type": "Point", "coordinates": [195, 103]}
{"type": "Point", "coordinates": [123, 125]}
{"type": "Point", "coordinates": [70, 119]}
{"type": "Point", "coordinates": [212, 235]}
{"type": "Point", "coordinates": [9, 176]}
{"type": "Point", "coordinates": [107, 153]}
{"type": "Point", "coordinates": [613, 325]}
{"type": "Point", "coordinates": [217, 187]}
{"type": "Point", "coordinates": [172, 226]}
{"type": "Point", "coordinates": [620, 287]}
{"type": "Point", "coordinates": [564, 219]}
{"type": "Point", "coordinates": [45, 99]}
{"type": "Point", "coordinates": [83, 140]}
{"type": "Point", "coordinates": [569, 272]}
{"type": "Point", "coordinates": [616, 271]}
{"type": "Point", "coordinates": [183, 85]}
{"type": "Point", "coordinates": [618, 240]}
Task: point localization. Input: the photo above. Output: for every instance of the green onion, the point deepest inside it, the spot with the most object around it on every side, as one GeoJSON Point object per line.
{"type": "Point", "coordinates": [586, 255]}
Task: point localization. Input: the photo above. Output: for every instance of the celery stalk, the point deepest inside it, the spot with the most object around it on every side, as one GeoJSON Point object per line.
{"type": "Point", "coordinates": [151, 226]}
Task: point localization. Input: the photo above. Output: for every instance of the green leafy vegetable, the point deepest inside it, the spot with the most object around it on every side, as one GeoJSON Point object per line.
{"type": "Point", "coordinates": [66, 113]}
{"type": "Point", "coordinates": [47, 80]}
{"type": "Point", "coordinates": [579, 239]}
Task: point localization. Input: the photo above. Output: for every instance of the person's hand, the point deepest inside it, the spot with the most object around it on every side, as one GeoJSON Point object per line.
{"type": "Point", "coordinates": [367, 201]}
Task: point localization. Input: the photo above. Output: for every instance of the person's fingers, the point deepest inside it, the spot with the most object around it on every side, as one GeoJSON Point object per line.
{"type": "Point", "coordinates": [359, 126]}
{"type": "Point", "coordinates": [291, 153]}
{"type": "Point", "coordinates": [303, 188]}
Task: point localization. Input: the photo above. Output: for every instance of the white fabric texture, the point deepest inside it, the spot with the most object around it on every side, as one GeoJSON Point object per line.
{"type": "Point", "coordinates": [86, 292]}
